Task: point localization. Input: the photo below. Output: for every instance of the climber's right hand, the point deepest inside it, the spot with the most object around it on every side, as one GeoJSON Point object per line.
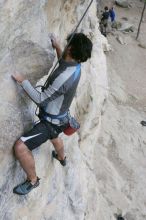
{"type": "Point", "coordinates": [55, 43]}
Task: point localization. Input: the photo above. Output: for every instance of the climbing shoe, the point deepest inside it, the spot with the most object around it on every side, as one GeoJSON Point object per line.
{"type": "Point", "coordinates": [120, 218]}
{"type": "Point", "coordinates": [143, 123]}
{"type": "Point", "coordinates": [54, 155]}
{"type": "Point", "coordinates": [26, 187]}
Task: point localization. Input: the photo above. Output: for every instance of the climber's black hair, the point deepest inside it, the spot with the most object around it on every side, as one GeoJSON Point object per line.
{"type": "Point", "coordinates": [106, 8]}
{"type": "Point", "coordinates": [80, 47]}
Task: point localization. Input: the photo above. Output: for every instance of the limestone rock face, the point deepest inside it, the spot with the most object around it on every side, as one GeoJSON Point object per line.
{"type": "Point", "coordinates": [25, 48]}
{"type": "Point", "coordinates": [65, 193]}
{"type": "Point", "coordinates": [105, 173]}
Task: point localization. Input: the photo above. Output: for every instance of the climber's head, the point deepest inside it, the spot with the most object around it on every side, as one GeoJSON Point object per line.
{"type": "Point", "coordinates": [80, 47]}
{"type": "Point", "coordinates": [106, 8]}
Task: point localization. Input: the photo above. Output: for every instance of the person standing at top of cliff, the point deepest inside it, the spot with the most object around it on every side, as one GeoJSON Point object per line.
{"type": "Point", "coordinates": [112, 14]}
{"type": "Point", "coordinates": [54, 103]}
{"type": "Point", "coordinates": [104, 21]}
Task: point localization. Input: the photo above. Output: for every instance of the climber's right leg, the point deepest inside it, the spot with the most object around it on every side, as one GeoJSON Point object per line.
{"type": "Point", "coordinates": [22, 149]}
{"type": "Point", "coordinates": [25, 157]}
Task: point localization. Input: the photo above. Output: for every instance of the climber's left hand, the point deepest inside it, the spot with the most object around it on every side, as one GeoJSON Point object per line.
{"type": "Point", "coordinates": [18, 77]}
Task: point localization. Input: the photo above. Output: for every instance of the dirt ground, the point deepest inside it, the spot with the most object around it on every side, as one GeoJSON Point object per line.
{"type": "Point", "coordinates": [122, 142]}
{"type": "Point", "coordinates": [129, 60]}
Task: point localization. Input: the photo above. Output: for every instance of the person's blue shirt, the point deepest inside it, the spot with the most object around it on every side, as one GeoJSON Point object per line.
{"type": "Point", "coordinates": [112, 15]}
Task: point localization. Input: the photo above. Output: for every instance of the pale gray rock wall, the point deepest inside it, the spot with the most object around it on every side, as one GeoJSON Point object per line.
{"type": "Point", "coordinates": [69, 193]}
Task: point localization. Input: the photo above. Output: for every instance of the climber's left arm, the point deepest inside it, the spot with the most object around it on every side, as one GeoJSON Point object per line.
{"type": "Point", "coordinates": [30, 90]}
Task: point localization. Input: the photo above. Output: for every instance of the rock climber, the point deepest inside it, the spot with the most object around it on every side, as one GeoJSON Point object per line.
{"type": "Point", "coordinates": [54, 102]}
{"type": "Point", "coordinates": [104, 21]}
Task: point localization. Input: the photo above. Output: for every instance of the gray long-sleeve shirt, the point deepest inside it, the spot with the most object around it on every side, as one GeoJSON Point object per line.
{"type": "Point", "coordinates": [57, 98]}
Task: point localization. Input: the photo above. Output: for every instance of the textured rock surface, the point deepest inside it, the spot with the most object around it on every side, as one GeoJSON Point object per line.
{"type": "Point", "coordinates": [122, 3]}
{"type": "Point", "coordinates": [105, 175]}
{"type": "Point", "coordinates": [126, 27]}
{"type": "Point", "coordinates": [123, 139]}
{"type": "Point", "coordinates": [68, 193]}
